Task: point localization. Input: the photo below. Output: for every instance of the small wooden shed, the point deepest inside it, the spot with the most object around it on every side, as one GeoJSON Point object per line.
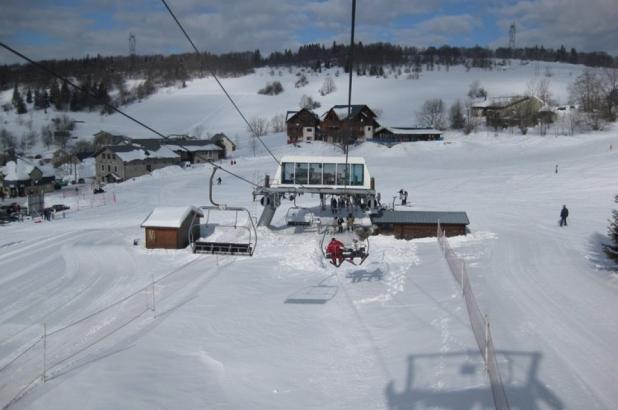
{"type": "Point", "coordinates": [168, 227]}
{"type": "Point", "coordinates": [420, 224]}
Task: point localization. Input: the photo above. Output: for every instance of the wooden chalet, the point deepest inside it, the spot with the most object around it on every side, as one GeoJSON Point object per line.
{"type": "Point", "coordinates": [302, 125]}
{"type": "Point", "coordinates": [359, 126]}
{"type": "Point", "coordinates": [169, 227]}
{"type": "Point", "coordinates": [419, 224]}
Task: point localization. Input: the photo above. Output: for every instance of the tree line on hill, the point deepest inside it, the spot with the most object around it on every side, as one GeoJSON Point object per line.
{"type": "Point", "coordinates": [99, 74]}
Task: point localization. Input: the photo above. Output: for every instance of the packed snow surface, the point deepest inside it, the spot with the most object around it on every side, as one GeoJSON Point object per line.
{"type": "Point", "coordinates": [284, 329]}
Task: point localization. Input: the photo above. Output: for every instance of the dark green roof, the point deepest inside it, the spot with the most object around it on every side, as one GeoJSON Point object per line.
{"type": "Point", "coordinates": [420, 217]}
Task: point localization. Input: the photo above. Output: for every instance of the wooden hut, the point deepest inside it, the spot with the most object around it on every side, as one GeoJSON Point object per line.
{"type": "Point", "coordinates": [168, 227]}
{"type": "Point", "coordinates": [420, 224]}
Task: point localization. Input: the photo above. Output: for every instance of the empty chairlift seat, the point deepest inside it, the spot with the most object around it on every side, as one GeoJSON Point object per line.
{"type": "Point", "coordinates": [225, 231]}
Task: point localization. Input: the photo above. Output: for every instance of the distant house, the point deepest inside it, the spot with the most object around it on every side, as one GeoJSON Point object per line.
{"type": "Point", "coordinates": [419, 224]}
{"type": "Point", "coordinates": [359, 126]}
{"type": "Point", "coordinates": [502, 112]}
{"type": "Point", "coordinates": [190, 150]}
{"type": "Point", "coordinates": [22, 177]}
{"type": "Point", "coordinates": [170, 227]}
{"type": "Point", "coordinates": [302, 125]}
{"type": "Point", "coordinates": [222, 140]}
{"type": "Point", "coordinates": [394, 135]}
{"type": "Point", "coordinates": [118, 163]}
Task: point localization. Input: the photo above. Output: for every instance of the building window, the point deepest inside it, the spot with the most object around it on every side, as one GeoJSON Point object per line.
{"type": "Point", "coordinates": [342, 175]}
{"type": "Point", "coordinates": [115, 168]}
{"type": "Point", "coordinates": [329, 174]}
{"type": "Point", "coordinates": [102, 167]}
{"type": "Point", "coordinates": [315, 174]}
{"type": "Point", "coordinates": [309, 129]}
{"type": "Point", "coordinates": [357, 174]}
{"type": "Point", "coordinates": [288, 173]}
{"type": "Point", "coordinates": [109, 168]}
{"type": "Point", "coordinates": [302, 173]}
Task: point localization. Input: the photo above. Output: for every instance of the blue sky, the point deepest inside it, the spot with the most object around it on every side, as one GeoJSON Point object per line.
{"type": "Point", "coordinates": [72, 28]}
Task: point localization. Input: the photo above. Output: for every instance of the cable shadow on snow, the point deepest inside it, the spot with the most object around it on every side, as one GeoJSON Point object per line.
{"type": "Point", "coordinates": [468, 382]}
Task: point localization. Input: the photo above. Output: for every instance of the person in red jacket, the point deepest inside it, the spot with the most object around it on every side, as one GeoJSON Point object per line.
{"type": "Point", "coordinates": [335, 250]}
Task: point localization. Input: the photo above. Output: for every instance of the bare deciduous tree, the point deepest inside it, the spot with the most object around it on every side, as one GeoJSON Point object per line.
{"type": "Point", "coordinates": [258, 127]}
{"type": "Point", "coordinates": [277, 123]}
{"type": "Point", "coordinates": [432, 114]}
{"type": "Point", "coordinates": [328, 86]}
{"type": "Point", "coordinates": [309, 103]}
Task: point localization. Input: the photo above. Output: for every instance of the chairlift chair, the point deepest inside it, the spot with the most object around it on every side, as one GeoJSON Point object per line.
{"type": "Point", "coordinates": [354, 251]}
{"type": "Point", "coordinates": [230, 245]}
{"type": "Point", "coordinates": [298, 216]}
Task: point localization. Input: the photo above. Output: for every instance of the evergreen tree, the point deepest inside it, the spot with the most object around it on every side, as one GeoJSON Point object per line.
{"type": "Point", "coordinates": [16, 95]}
{"type": "Point", "coordinates": [65, 96]}
{"type": "Point", "coordinates": [45, 100]}
{"type": "Point", "coordinates": [37, 100]}
{"type": "Point", "coordinates": [456, 116]}
{"type": "Point", "coordinates": [20, 105]}
{"type": "Point", "coordinates": [54, 94]}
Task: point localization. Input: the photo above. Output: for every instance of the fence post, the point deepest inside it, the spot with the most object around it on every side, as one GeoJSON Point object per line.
{"type": "Point", "coordinates": [487, 341]}
{"type": "Point", "coordinates": [463, 278]}
{"type": "Point", "coordinates": [44, 352]}
{"type": "Point", "coordinates": [154, 308]}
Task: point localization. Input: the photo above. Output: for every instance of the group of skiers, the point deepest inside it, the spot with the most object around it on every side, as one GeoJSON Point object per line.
{"type": "Point", "coordinates": [349, 221]}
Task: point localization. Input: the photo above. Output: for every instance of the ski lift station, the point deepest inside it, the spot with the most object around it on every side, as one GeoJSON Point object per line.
{"type": "Point", "coordinates": [323, 175]}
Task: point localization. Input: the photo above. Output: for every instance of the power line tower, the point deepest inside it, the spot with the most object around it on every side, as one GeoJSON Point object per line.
{"type": "Point", "coordinates": [132, 42]}
{"type": "Point", "coordinates": [512, 33]}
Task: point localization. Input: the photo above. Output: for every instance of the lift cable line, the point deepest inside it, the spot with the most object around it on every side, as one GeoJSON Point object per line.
{"type": "Point", "coordinates": [350, 67]}
{"type": "Point", "coordinates": [212, 73]}
{"type": "Point", "coordinates": [111, 107]}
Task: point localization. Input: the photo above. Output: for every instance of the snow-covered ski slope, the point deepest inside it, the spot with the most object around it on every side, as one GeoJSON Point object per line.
{"type": "Point", "coordinates": [284, 329]}
{"type": "Point", "coordinates": [201, 107]}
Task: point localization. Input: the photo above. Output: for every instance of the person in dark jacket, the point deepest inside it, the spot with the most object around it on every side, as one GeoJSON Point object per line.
{"type": "Point", "coordinates": [333, 205]}
{"type": "Point", "coordinates": [563, 216]}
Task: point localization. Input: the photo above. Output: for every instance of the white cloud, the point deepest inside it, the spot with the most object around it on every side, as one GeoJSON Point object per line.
{"type": "Point", "coordinates": [590, 25]}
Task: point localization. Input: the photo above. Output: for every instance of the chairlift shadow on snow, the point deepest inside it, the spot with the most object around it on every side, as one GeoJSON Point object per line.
{"type": "Point", "coordinates": [470, 388]}
{"type": "Point", "coordinates": [313, 295]}
{"type": "Point", "coordinates": [365, 275]}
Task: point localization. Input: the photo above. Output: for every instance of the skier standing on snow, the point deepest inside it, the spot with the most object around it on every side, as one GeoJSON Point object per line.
{"type": "Point", "coordinates": [563, 216]}
{"type": "Point", "coordinates": [218, 180]}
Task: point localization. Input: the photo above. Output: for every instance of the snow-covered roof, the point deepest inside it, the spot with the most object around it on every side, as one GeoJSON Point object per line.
{"type": "Point", "coordinates": [20, 170]}
{"type": "Point", "coordinates": [141, 154]}
{"type": "Point", "coordinates": [410, 130]}
{"type": "Point", "coordinates": [170, 216]}
{"type": "Point", "coordinates": [194, 148]}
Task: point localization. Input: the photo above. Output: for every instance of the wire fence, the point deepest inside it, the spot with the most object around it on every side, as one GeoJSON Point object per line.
{"type": "Point", "coordinates": [478, 321]}
{"type": "Point", "coordinates": [61, 349]}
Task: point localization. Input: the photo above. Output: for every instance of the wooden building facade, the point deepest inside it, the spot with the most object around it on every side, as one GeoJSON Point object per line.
{"type": "Point", "coordinates": [169, 227]}
{"type": "Point", "coordinates": [420, 224]}
{"type": "Point", "coordinates": [359, 126]}
{"type": "Point", "coordinates": [302, 126]}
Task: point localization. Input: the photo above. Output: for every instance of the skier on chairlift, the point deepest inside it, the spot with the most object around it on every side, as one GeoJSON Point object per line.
{"type": "Point", "coordinates": [335, 251]}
